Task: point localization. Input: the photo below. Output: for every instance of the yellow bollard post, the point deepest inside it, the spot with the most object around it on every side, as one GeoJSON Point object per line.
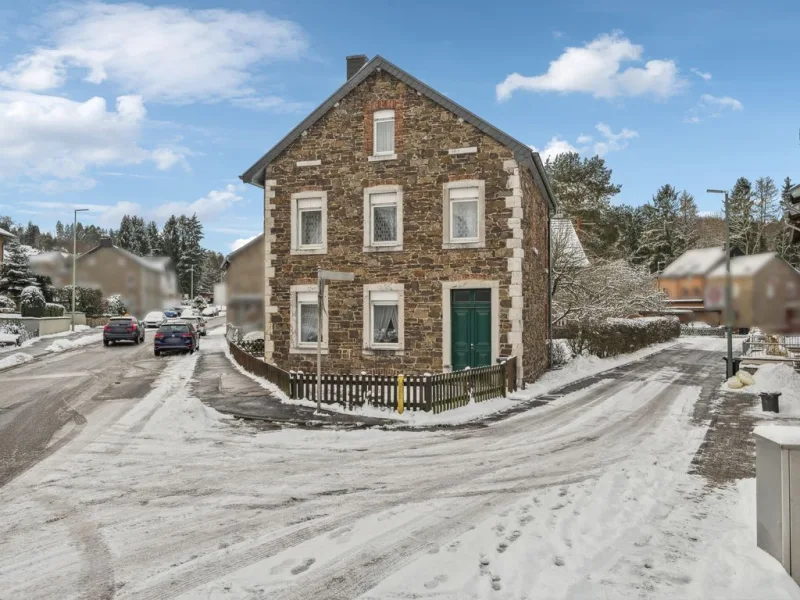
{"type": "Point", "coordinates": [400, 389]}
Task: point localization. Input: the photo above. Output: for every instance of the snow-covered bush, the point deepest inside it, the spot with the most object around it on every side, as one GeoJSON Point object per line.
{"type": "Point", "coordinates": [199, 303]}
{"type": "Point", "coordinates": [116, 306]}
{"type": "Point", "coordinates": [611, 337]}
{"type": "Point", "coordinates": [31, 302]}
{"type": "Point", "coordinates": [560, 352]}
{"type": "Point", "coordinates": [16, 328]}
{"type": "Point", "coordinates": [51, 309]}
{"type": "Point", "coordinates": [7, 305]}
{"type": "Point", "coordinates": [87, 300]}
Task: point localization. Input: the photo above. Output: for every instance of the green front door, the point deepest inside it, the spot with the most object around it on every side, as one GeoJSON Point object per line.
{"type": "Point", "coordinates": [471, 329]}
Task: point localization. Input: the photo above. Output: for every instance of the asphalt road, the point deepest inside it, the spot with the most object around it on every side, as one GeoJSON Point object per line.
{"type": "Point", "coordinates": [45, 403]}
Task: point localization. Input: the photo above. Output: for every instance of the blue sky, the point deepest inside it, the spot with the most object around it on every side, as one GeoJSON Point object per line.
{"type": "Point", "coordinates": [157, 108]}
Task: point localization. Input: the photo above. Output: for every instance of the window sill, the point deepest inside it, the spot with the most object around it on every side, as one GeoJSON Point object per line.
{"type": "Point", "coordinates": [307, 350]}
{"type": "Point", "coordinates": [307, 251]}
{"type": "Point", "coordinates": [394, 351]}
{"type": "Point", "coordinates": [381, 157]}
{"type": "Point", "coordinates": [463, 245]}
{"type": "Point", "coordinates": [395, 248]}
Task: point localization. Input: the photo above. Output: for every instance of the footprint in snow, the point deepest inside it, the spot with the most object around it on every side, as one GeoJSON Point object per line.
{"type": "Point", "coordinates": [496, 583]}
{"type": "Point", "coordinates": [559, 561]}
{"type": "Point", "coordinates": [502, 547]}
{"type": "Point", "coordinates": [454, 546]}
{"type": "Point", "coordinates": [281, 567]}
{"type": "Point", "coordinates": [514, 536]}
{"type": "Point", "coordinates": [435, 581]}
{"type": "Point", "coordinates": [304, 566]}
{"type": "Point", "coordinates": [499, 529]}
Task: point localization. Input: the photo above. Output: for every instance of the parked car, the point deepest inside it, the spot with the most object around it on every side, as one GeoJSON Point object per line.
{"type": "Point", "coordinates": [154, 319]}
{"type": "Point", "coordinates": [210, 311]}
{"type": "Point", "coordinates": [123, 329]}
{"type": "Point", "coordinates": [198, 322]}
{"type": "Point", "coordinates": [176, 336]}
{"type": "Point", "coordinates": [188, 311]}
{"type": "Point", "coordinates": [171, 314]}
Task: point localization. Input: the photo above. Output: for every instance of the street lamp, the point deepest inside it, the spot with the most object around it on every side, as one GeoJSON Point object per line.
{"type": "Point", "coordinates": [728, 285]}
{"type": "Point", "coordinates": [74, 252]}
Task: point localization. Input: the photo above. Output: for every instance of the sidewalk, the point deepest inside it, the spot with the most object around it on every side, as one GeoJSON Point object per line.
{"type": "Point", "coordinates": [219, 385]}
{"type": "Point", "coordinates": [34, 348]}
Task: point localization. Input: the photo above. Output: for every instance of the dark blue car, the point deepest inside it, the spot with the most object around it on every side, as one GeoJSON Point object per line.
{"type": "Point", "coordinates": [170, 314]}
{"type": "Point", "coordinates": [176, 336]}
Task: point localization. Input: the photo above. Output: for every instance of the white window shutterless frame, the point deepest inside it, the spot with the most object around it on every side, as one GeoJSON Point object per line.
{"type": "Point", "coordinates": [383, 132]}
{"type": "Point", "coordinates": [304, 319]}
{"type": "Point", "coordinates": [463, 208]}
{"type": "Point", "coordinates": [307, 326]}
{"type": "Point", "coordinates": [309, 233]}
{"type": "Point", "coordinates": [383, 218]}
{"type": "Point", "coordinates": [383, 317]}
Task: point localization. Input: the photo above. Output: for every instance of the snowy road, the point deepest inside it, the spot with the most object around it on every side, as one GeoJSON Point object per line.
{"type": "Point", "coordinates": [586, 497]}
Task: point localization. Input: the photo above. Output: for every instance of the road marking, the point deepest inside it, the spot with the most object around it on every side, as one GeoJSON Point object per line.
{"type": "Point", "coordinates": [46, 376]}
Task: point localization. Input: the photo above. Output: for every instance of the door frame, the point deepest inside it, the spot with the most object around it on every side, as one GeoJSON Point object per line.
{"type": "Point", "coordinates": [447, 315]}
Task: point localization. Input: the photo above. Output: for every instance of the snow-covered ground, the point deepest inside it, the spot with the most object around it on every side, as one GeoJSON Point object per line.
{"type": "Point", "coordinates": [780, 378]}
{"type": "Point", "coordinates": [18, 358]}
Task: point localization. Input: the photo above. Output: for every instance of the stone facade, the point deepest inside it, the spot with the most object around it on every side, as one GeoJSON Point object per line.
{"type": "Point", "coordinates": [515, 217]}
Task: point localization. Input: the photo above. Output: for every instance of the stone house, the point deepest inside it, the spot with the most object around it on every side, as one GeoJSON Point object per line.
{"type": "Point", "coordinates": [145, 283]}
{"type": "Point", "coordinates": [442, 218]}
{"type": "Point", "coordinates": [684, 281]}
{"type": "Point", "coordinates": [765, 291]}
{"type": "Point", "coordinates": [3, 236]}
{"type": "Point", "coordinates": [244, 285]}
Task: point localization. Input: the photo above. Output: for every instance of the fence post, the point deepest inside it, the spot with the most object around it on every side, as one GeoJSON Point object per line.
{"type": "Point", "coordinates": [505, 379]}
{"type": "Point", "coordinates": [400, 393]}
{"type": "Point", "coordinates": [428, 392]}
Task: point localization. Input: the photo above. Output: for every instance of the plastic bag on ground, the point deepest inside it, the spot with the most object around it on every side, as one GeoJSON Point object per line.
{"type": "Point", "coordinates": [734, 383]}
{"type": "Point", "coordinates": [745, 377]}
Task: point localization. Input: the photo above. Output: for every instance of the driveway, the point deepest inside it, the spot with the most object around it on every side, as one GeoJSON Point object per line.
{"type": "Point", "coordinates": [585, 497]}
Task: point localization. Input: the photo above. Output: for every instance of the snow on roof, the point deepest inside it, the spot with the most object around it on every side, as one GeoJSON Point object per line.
{"type": "Point", "coordinates": [562, 229]}
{"type": "Point", "coordinates": [4, 233]}
{"type": "Point", "coordinates": [694, 262]}
{"type": "Point", "coordinates": [745, 265]}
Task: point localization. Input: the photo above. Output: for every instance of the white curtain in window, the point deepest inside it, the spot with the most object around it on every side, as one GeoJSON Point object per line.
{"type": "Point", "coordinates": [384, 323]}
{"type": "Point", "coordinates": [384, 132]}
{"type": "Point", "coordinates": [465, 219]}
{"type": "Point", "coordinates": [384, 223]}
{"type": "Point", "coordinates": [310, 227]}
{"type": "Point", "coordinates": [308, 323]}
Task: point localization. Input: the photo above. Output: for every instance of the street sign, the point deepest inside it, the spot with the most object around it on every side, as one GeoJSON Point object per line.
{"type": "Point", "coordinates": [336, 275]}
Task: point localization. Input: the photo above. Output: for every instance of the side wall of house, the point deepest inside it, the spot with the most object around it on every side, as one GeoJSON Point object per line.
{"type": "Point", "coordinates": [333, 158]}
{"type": "Point", "coordinates": [244, 280]}
{"type": "Point", "coordinates": [535, 223]}
{"type": "Point", "coordinates": [113, 273]}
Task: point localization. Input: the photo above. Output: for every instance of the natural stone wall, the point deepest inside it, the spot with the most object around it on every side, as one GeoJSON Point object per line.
{"type": "Point", "coordinates": [341, 140]}
{"type": "Point", "coordinates": [535, 223]}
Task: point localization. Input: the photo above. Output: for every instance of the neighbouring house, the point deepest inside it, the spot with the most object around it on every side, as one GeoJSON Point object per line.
{"type": "Point", "coordinates": [4, 235]}
{"type": "Point", "coordinates": [765, 292]}
{"type": "Point", "coordinates": [684, 281]}
{"type": "Point", "coordinates": [244, 285]}
{"type": "Point", "coordinates": [145, 283]}
{"type": "Point", "coordinates": [793, 213]}
{"type": "Point", "coordinates": [442, 218]}
{"type": "Point", "coordinates": [565, 243]}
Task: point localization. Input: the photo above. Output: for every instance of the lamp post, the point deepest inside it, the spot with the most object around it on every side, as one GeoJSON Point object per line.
{"type": "Point", "coordinates": [74, 259]}
{"type": "Point", "coordinates": [728, 285]}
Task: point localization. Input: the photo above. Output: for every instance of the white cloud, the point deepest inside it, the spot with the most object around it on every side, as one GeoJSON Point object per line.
{"type": "Point", "coordinates": [167, 54]}
{"type": "Point", "coordinates": [597, 69]}
{"type": "Point", "coordinates": [704, 75]}
{"type": "Point", "coordinates": [711, 107]}
{"type": "Point", "coordinates": [608, 142]}
{"type": "Point", "coordinates": [53, 140]}
{"type": "Point", "coordinates": [107, 215]}
{"type": "Point", "coordinates": [214, 203]}
{"type": "Point", "coordinates": [241, 242]}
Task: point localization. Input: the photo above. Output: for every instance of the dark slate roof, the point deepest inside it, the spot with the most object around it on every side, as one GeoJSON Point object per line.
{"type": "Point", "coordinates": [523, 153]}
{"type": "Point", "coordinates": [228, 258]}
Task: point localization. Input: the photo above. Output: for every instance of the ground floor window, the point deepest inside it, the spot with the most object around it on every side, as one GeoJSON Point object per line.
{"type": "Point", "coordinates": [383, 317]}
{"type": "Point", "coordinates": [305, 326]}
{"type": "Point", "coordinates": [308, 319]}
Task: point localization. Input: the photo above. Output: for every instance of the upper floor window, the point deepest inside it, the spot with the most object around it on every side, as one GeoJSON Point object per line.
{"type": "Point", "coordinates": [309, 223]}
{"type": "Point", "coordinates": [383, 218]}
{"type": "Point", "coordinates": [463, 213]}
{"type": "Point", "coordinates": [383, 132]}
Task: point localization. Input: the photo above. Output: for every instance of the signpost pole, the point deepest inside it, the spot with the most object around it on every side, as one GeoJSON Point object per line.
{"type": "Point", "coordinates": [320, 297]}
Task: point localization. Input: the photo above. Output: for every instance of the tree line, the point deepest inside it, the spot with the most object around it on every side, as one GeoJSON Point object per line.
{"type": "Point", "coordinates": [656, 233]}
{"type": "Point", "coordinates": [179, 239]}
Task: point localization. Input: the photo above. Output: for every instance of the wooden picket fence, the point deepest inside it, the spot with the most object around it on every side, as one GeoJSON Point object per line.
{"type": "Point", "coordinates": [433, 393]}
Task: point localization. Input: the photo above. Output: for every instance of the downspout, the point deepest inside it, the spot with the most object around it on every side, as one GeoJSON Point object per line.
{"type": "Point", "coordinates": [549, 294]}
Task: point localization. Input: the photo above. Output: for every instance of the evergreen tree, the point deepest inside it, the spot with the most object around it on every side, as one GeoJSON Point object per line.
{"type": "Point", "coordinates": [783, 242]}
{"type": "Point", "coordinates": [124, 237]}
{"type": "Point", "coordinates": [16, 274]}
{"type": "Point", "coordinates": [688, 221]}
{"type": "Point", "coordinates": [153, 239]}
{"type": "Point", "coordinates": [631, 221]}
{"type": "Point", "coordinates": [741, 216]}
{"type": "Point", "coordinates": [661, 241]}
{"type": "Point", "coordinates": [212, 271]}
{"type": "Point", "coordinates": [170, 241]}
{"type": "Point", "coordinates": [765, 202]}
{"type": "Point", "coordinates": [190, 263]}
{"type": "Point", "coordinates": [141, 243]}
{"type": "Point", "coordinates": [584, 191]}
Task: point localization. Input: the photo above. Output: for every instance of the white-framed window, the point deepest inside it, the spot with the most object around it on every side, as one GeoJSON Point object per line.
{"type": "Point", "coordinates": [383, 218]}
{"type": "Point", "coordinates": [383, 317]}
{"type": "Point", "coordinates": [309, 223]}
{"type": "Point", "coordinates": [305, 326]}
{"type": "Point", "coordinates": [383, 132]}
{"type": "Point", "coordinates": [463, 209]}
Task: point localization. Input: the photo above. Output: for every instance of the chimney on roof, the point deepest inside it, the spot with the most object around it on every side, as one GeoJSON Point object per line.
{"type": "Point", "coordinates": [354, 64]}
{"type": "Point", "coordinates": [105, 242]}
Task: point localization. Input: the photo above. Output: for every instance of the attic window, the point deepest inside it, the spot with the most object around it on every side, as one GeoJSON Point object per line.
{"type": "Point", "coordinates": [383, 132]}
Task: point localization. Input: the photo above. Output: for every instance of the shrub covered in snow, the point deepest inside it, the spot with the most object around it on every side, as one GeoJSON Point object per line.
{"type": "Point", "coordinates": [115, 305]}
{"type": "Point", "coordinates": [199, 303]}
{"type": "Point", "coordinates": [560, 352]}
{"type": "Point", "coordinates": [611, 337]}
{"type": "Point", "coordinates": [31, 302]}
{"type": "Point", "coordinates": [87, 300]}
{"type": "Point", "coordinates": [15, 328]}
{"type": "Point", "coordinates": [7, 305]}
{"type": "Point", "coordinates": [51, 309]}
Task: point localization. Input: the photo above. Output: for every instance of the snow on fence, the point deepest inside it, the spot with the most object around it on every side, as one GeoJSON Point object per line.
{"type": "Point", "coordinates": [703, 331]}
{"type": "Point", "coordinates": [434, 393]}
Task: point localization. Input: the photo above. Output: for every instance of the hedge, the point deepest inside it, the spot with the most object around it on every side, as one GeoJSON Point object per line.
{"type": "Point", "coordinates": [51, 309]}
{"type": "Point", "coordinates": [31, 302]}
{"type": "Point", "coordinates": [87, 300]}
{"type": "Point", "coordinates": [617, 336]}
{"type": "Point", "coordinates": [7, 305]}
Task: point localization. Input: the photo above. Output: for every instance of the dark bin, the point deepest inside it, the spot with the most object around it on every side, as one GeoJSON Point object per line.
{"type": "Point", "coordinates": [769, 401]}
{"type": "Point", "coordinates": [736, 362]}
